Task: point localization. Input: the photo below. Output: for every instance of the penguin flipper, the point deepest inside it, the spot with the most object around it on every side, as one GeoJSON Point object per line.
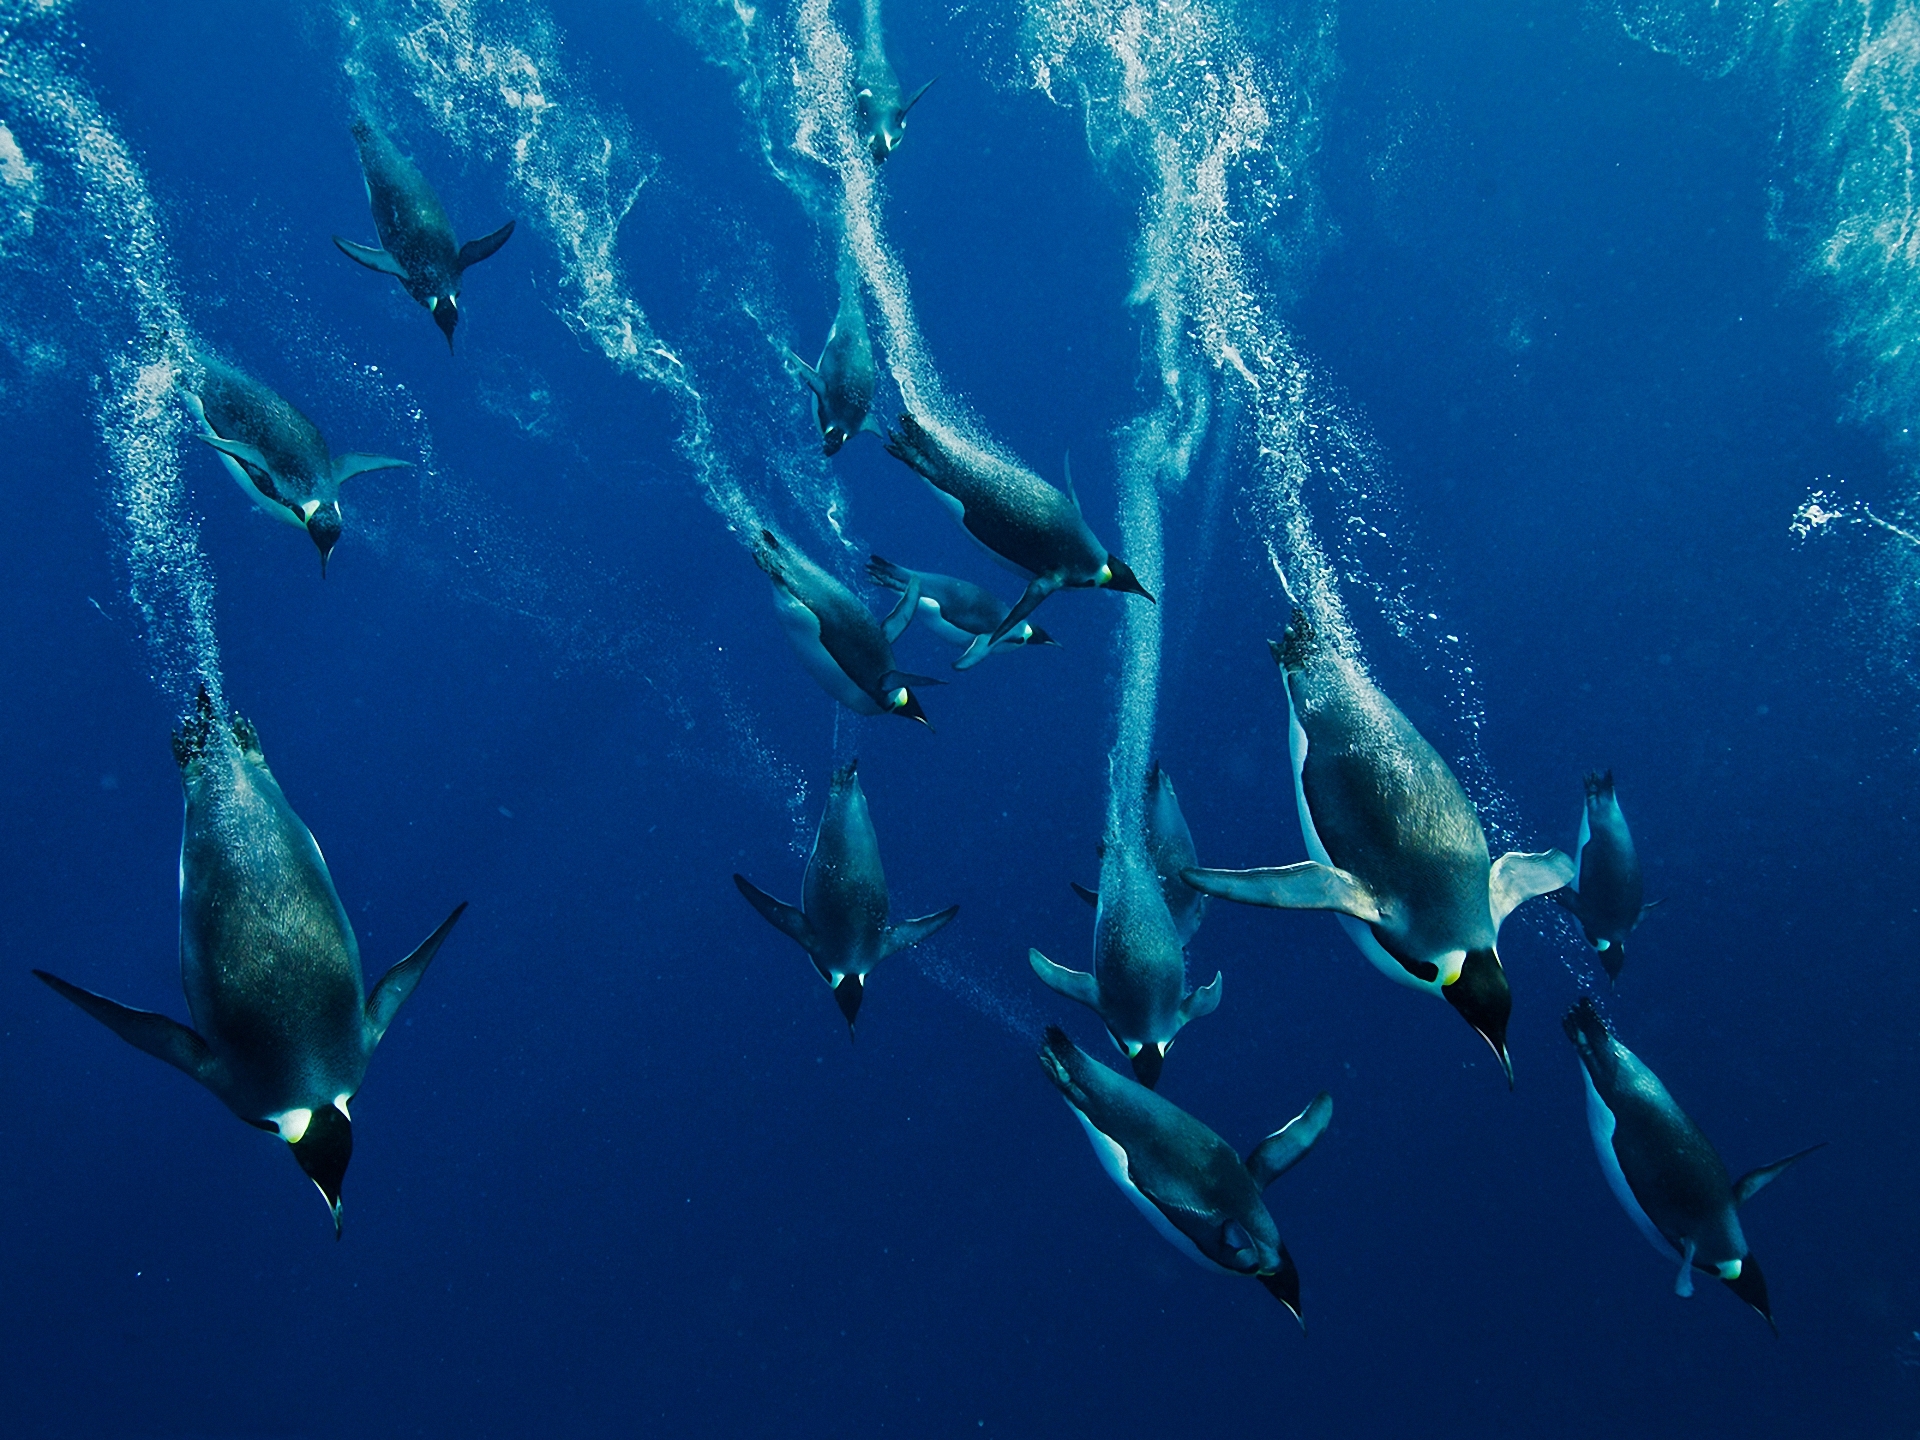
{"type": "Point", "coordinates": [474, 251]}
{"type": "Point", "coordinates": [1683, 1286]}
{"type": "Point", "coordinates": [1288, 1145]}
{"type": "Point", "coordinates": [909, 933]}
{"type": "Point", "coordinates": [373, 258]}
{"type": "Point", "coordinates": [789, 920]}
{"type": "Point", "coordinates": [399, 982]}
{"type": "Point", "coordinates": [1203, 1001]}
{"type": "Point", "coordinates": [977, 650]}
{"type": "Point", "coordinates": [1074, 984]}
{"type": "Point", "coordinates": [1754, 1181]}
{"type": "Point", "coordinates": [882, 571]}
{"type": "Point", "coordinates": [1306, 886]}
{"type": "Point", "coordinates": [903, 613]}
{"type": "Point", "coordinates": [1518, 877]}
{"type": "Point", "coordinates": [160, 1036]}
{"type": "Point", "coordinates": [914, 99]}
{"type": "Point", "coordinates": [1092, 897]}
{"type": "Point", "coordinates": [1038, 589]}
{"type": "Point", "coordinates": [345, 467]}
{"type": "Point", "coordinates": [251, 462]}
{"type": "Point", "coordinates": [812, 376]}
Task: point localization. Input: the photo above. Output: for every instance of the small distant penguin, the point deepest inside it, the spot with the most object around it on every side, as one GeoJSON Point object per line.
{"type": "Point", "coordinates": [882, 114]}
{"type": "Point", "coordinates": [282, 1024]}
{"type": "Point", "coordinates": [842, 919]}
{"type": "Point", "coordinates": [1663, 1171]}
{"type": "Point", "coordinates": [1170, 847]}
{"type": "Point", "coordinates": [417, 243]}
{"type": "Point", "coordinates": [958, 611]}
{"type": "Point", "coordinates": [1016, 517]}
{"type": "Point", "coordinates": [1605, 893]}
{"type": "Point", "coordinates": [1184, 1178]}
{"type": "Point", "coordinates": [1398, 852]}
{"type": "Point", "coordinates": [846, 650]}
{"type": "Point", "coordinates": [1139, 969]}
{"type": "Point", "coordinates": [275, 453]}
{"type": "Point", "coordinates": [843, 382]}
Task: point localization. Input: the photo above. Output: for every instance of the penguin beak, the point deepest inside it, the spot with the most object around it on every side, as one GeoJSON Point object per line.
{"type": "Point", "coordinates": [1485, 1001]}
{"type": "Point", "coordinates": [1122, 578]}
{"type": "Point", "coordinates": [847, 995]}
{"type": "Point", "coordinates": [1284, 1285]}
{"type": "Point", "coordinates": [323, 1152]}
{"type": "Point", "coordinates": [910, 708]}
{"type": "Point", "coordinates": [1147, 1063]}
{"type": "Point", "coordinates": [1751, 1286]}
{"type": "Point", "coordinates": [446, 314]}
{"type": "Point", "coordinates": [1040, 637]}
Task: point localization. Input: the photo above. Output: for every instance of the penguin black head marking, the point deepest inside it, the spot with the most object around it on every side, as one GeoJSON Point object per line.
{"type": "Point", "coordinates": [902, 701]}
{"type": "Point", "coordinates": [1120, 577]}
{"type": "Point", "coordinates": [1148, 1061]}
{"type": "Point", "coordinates": [323, 1148]}
{"type": "Point", "coordinates": [1485, 1001]}
{"type": "Point", "coordinates": [831, 439]}
{"type": "Point", "coordinates": [847, 995]}
{"type": "Point", "coordinates": [446, 314]}
{"type": "Point", "coordinates": [325, 527]}
{"type": "Point", "coordinates": [1751, 1286]}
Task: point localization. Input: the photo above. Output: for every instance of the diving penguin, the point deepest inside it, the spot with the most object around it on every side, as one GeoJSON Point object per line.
{"type": "Point", "coordinates": [1170, 848]}
{"type": "Point", "coordinates": [1139, 969]}
{"type": "Point", "coordinates": [276, 454]}
{"type": "Point", "coordinates": [1663, 1171]}
{"type": "Point", "coordinates": [282, 1024]}
{"type": "Point", "coordinates": [1016, 517]}
{"type": "Point", "coordinates": [1184, 1178]}
{"type": "Point", "coordinates": [842, 919]}
{"type": "Point", "coordinates": [417, 243]}
{"type": "Point", "coordinates": [1605, 892]}
{"type": "Point", "coordinates": [1398, 852]}
{"type": "Point", "coordinates": [957, 610]}
{"type": "Point", "coordinates": [842, 383]}
{"type": "Point", "coordinates": [881, 113]}
{"type": "Point", "coordinates": [843, 647]}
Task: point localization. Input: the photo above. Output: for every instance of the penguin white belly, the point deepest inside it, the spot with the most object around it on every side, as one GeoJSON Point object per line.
{"type": "Point", "coordinates": [1114, 1160]}
{"type": "Point", "coordinates": [1601, 1122]}
{"type": "Point", "coordinates": [1358, 931]}
{"type": "Point", "coordinates": [803, 629]}
{"type": "Point", "coordinates": [1580, 850]}
{"type": "Point", "coordinates": [932, 617]}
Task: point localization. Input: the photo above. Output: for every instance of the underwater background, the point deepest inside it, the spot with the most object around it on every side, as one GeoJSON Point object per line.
{"type": "Point", "coordinates": [1565, 353]}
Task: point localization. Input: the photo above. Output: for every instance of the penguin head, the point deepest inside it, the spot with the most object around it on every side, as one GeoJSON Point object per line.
{"type": "Point", "coordinates": [323, 524]}
{"type": "Point", "coordinates": [1116, 574]}
{"type": "Point", "coordinates": [1485, 1001]}
{"type": "Point", "coordinates": [1246, 1243]}
{"type": "Point", "coordinates": [322, 1141]}
{"type": "Point", "coordinates": [902, 701]}
{"type": "Point", "coordinates": [1148, 1060]}
{"type": "Point", "coordinates": [446, 314]}
{"type": "Point", "coordinates": [848, 992]}
{"type": "Point", "coordinates": [831, 439]}
{"type": "Point", "coordinates": [1031, 634]}
{"type": "Point", "coordinates": [1749, 1284]}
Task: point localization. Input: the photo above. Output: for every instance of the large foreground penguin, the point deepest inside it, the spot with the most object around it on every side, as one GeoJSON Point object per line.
{"type": "Point", "coordinates": [1016, 517]}
{"type": "Point", "coordinates": [275, 454]}
{"type": "Point", "coordinates": [842, 919]}
{"type": "Point", "coordinates": [282, 1025]}
{"type": "Point", "coordinates": [1663, 1171]}
{"type": "Point", "coordinates": [417, 244]}
{"type": "Point", "coordinates": [837, 638]}
{"type": "Point", "coordinates": [1606, 892]}
{"type": "Point", "coordinates": [1139, 980]}
{"type": "Point", "coordinates": [1398, 852]}
{"type": "Point", "coordinates": [1184, 1178]}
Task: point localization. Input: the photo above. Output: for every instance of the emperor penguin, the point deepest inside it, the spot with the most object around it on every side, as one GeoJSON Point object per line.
{"type": "Point", "coordinates": [417, 244]}
{"type": "Point", "coordinates": [1170, 848]}
{"type": "Point", "coordinates": [1016, 517]}
{"type": "Point", "coordinates": [282, 1024]}
{"type": "Point", "coordinates": [1139, 977]}
{"type": "Point", "coordinates": [837, 638]}
{"type": "Point", "coordinates": [958, 611]}
{"type": "Point", "coordinates": [1605, 893]}
{"type": "Point", "coordinates": [843, 382]}
{"type": "Point", "coordinates": [841, 921]}
{"type": "Point", "coordinates": [1184, 1178]}
{"type": "Point", "coordinates": [276, 454]}
{"type": "Point", "coordinates": [881, 113]}
{"type": "Point", "coordinates": [1398, 852]}
{"type": "Point", "coordinates": [1662, 1170]}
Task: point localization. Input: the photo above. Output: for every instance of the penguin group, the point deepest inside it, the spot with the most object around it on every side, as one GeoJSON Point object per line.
{"type": "Point", "coordinates": [284, 1027]}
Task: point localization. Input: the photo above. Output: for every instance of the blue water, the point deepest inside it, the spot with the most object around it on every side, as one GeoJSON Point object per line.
{"type": "Point", "coordinates": [1517, 337]}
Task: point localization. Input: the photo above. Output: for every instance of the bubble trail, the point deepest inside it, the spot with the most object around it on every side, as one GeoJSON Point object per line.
{"type": "Point", "coordinates": [122, 253]}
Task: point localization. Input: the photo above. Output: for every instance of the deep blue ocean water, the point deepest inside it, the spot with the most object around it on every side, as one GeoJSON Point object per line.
{"type": "Point", "coordinates": [1565, 316]}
